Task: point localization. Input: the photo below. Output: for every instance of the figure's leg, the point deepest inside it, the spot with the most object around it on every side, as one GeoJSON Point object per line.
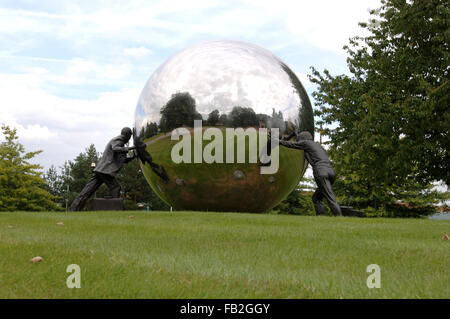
{"type": "Point", "coordinates": [331, 199]}
{"type": "Point", "coordinates": [317, 201]}
{"type": "Point", "coordinates": [91, 186]}
{"type": "Point", "coordinates": [113, 185]}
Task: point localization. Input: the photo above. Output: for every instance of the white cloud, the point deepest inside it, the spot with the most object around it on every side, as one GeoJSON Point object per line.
{"type": "Point", "coordinates": [35, 132]}
{"type": "Point", "coordinates": [118, 71]}
{"type": "Point", "coordinates": [328, 24]}
{"type": "Point", "coordinates": [137, 52]}
{"type": "Point", "coordinates": [79, 69]}
{"type": "Point", "coordinates": [62, 127]}
{"type": "Point", "coordinates": [78, 65]}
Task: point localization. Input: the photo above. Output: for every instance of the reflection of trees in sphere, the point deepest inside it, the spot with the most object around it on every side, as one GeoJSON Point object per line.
{"type": "Point", "coordinates": [225, 84]}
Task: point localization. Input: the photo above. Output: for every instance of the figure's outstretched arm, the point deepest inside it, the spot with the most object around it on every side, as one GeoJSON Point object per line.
{"type": "Point", "coordinates": [117, 148]}
{"type": "Point", "coordinates": [297, 145]}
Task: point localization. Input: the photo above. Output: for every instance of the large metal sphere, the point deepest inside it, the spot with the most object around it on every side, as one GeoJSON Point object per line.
{"type": "Point", "coordinates": [220, 75]}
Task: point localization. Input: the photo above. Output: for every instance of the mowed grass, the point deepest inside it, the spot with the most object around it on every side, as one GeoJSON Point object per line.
{"type": "Point", "coordinates": [221, 255]}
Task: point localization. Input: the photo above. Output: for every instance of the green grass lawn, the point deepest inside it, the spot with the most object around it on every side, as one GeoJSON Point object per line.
{"type": "Point", "coordinates": [221, 255]}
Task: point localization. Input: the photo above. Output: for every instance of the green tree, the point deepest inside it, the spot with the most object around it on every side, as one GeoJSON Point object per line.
{"type": "Point", "coordinates": [223, 119]}
{"type": "Point", "coordinates": [179, 111]}
{"type": "Point", "coordinates": [262, 119]}
{"type": "Point", "coordinates": [22, 186]}
{"type": "Point", "coordinates": [81, 168]}
{"type": "Point", "coordinates": [55, 185]}
{"type": "Point", "coordinates": [149, 130]}
{"type": "Point", "coordinates": [388, 120]}
{"type": "Point", "coordinates": [243, 117]}
{"type": "Point", "coordinates": [213, 117]}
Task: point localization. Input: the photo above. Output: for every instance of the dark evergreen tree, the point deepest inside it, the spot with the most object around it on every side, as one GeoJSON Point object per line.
{"type": "Point", "coordinates": [213, 117]}
{"type": "Point", "coordinates": [243, 117]}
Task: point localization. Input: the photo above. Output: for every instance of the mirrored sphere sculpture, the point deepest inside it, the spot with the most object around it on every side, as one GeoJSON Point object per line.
{"type": "Point", "coordinates": [225, 85]}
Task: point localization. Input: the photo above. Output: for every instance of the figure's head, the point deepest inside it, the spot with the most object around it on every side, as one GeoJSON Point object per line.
{"type": "Point", "coordinates": [305, 135]}
{"type": "Point", "coordinates": [126, 132]}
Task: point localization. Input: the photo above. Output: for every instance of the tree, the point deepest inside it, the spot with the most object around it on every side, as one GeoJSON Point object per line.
{"type": "Point", "coordinates": [149, 130]}
{"type": "Point", "coordinates": [388, 120]}
{"type": "Point", "coordinates": [81, 168]}
{"type": "Point", "coordinates": [243, 117]}
{"type": "Point", "coordinates": [213, 117]}
{"type": "Point", "coordinates": [22, 186]}
{"type": "Point", "coordinates": [223, 119]}
{"type": "Point", "coordinates": [263, 119]}
{"type": "Point", "coordinates": [276, 120]}
{"type": "Point", "coordinates": [55, 185]}
{"type": "Point", "coordinates": [179, 111]}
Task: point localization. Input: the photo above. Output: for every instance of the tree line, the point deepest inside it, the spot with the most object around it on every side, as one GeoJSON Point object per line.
{"type": "Point", "coordinates": [180, 110]}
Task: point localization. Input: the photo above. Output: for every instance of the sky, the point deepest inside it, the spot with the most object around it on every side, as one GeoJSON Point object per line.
{"type": "Point", "coordinates": [71, 72]}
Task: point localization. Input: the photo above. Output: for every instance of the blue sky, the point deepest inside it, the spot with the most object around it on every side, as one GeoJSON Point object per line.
{"type": "Point", "coordinates": [71, 71]}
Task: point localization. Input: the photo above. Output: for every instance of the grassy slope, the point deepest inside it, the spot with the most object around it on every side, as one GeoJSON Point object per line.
{"type": "Point", "coordinates": [220, 255]}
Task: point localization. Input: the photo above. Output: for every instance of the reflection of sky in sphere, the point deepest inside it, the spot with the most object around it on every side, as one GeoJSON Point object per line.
{"type": "Point", "coordinates": [220, 75]}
